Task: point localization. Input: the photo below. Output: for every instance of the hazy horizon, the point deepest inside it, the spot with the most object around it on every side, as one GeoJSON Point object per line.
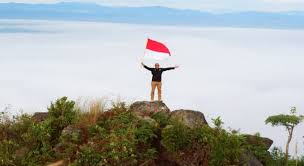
{"type": "Point", "coordinates": [240, 74]}
{"type": "Point", "coordinates": [206, 5]}
{"type": "Point", "coordinates": [152, 15]}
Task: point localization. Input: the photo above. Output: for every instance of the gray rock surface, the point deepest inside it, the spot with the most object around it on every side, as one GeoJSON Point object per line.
{"type": "Point", "coordinates": [189, 117]}
{"type": "Point", "coordinates": [255, 140]}
{"type": "Point", "coordinates": [146, 108]}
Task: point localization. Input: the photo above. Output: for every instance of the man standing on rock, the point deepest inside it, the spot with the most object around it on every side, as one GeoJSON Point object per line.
{"type": "Point", "coordinates": [157, 78]}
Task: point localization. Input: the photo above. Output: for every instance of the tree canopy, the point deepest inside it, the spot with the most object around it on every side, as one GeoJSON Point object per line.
{"type": "Point", "coordinates": [284, 120]}
{"type": "Point", "coordinates": [290, 122]}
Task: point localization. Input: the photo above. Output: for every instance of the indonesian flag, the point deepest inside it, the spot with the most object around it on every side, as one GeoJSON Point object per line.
{"type": "Point", "coordinates": [156, 50]}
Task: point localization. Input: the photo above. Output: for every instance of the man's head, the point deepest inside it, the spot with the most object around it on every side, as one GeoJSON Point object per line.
{"type": "Point", "coordinates": [156, 65]}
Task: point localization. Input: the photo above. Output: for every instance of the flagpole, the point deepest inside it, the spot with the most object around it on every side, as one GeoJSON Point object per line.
{"type": "Point", "coordinates": [142, 58]}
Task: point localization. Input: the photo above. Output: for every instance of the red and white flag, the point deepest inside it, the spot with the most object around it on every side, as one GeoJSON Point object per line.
{"type": "Point", "coordinates": [156, 50]}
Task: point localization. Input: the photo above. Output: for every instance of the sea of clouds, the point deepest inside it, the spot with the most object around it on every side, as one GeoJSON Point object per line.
{"type": "Point", "coordinates": [242, 75]}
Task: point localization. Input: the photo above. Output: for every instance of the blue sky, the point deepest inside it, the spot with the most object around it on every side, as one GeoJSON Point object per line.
{"type": "Point", "coordinates": [206, 5]}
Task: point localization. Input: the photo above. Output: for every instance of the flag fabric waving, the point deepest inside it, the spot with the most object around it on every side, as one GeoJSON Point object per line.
{"type": "Point", "coordinates": [156, 50]}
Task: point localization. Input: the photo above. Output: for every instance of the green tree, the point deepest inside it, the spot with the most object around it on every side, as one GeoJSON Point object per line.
{"type": "Point", "coordinates": [289, 122]}
{"type": "Point", "coordinates": [62, 113]}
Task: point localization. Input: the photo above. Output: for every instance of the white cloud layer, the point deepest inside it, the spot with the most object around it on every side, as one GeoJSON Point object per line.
{"type": "Point", "coordinates": [242, 75]}
{"type": "Point", "coordinates": [206, 5]}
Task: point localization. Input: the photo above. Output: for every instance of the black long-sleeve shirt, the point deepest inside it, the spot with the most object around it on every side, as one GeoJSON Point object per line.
{"type": "Point", "coordinates": [157, 73]}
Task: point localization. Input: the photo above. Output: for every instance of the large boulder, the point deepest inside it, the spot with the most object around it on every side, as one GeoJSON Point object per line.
{"type": "Point", "coordinates": [189, 117]}
{"type": "Point", "coordinates": [146, 108]}
{"type": "Point", "coordinates": [258, 141]}
{"type": "Point", "coordinates": [40, 116]}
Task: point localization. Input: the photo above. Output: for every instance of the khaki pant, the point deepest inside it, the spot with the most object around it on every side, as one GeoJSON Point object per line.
{"type": "Point", "coordinates": [157, 85]}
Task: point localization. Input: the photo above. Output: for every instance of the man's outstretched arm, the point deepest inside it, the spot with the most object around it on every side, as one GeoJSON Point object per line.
{"type": "Point", "coordinates": [170, 68]}
{"type": "Point", "coordinates": [148, 68]}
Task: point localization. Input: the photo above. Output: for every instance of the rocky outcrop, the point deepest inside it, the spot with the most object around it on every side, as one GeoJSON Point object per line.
{"type": "Point", "coordinates": [248, 158]}
{"type": "Point", "coordinates": [172, 144]}
{"type": "Point", "coordinates": [189, 117]}
{"type": "Point", "coordinates": [258, 141]}
{"type": "Point", "coordinates": [146, 108]}
{"type": "Point", "coordinates": [197, 155]}
{"type": "Point", "coordinates": [152, 112]}
{"type": "Point", "coordinates": [40, 116]}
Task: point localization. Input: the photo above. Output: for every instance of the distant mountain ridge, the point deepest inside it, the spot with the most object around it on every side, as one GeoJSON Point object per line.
{"type": "Point", "coordinates": [155, 15]}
